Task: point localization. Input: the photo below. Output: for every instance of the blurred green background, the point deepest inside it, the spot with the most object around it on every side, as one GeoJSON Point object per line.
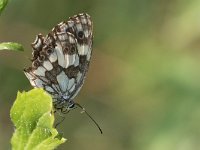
{"type": "Point", "coordinates": [143, 85]}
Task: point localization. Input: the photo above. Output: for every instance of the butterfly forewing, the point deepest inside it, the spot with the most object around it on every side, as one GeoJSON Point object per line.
{"type": "Point", "coordinates": [61, 59]}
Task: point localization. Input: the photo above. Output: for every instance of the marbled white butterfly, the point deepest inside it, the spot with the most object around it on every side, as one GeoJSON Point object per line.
{"type": "Point", "coordinates": [60, 61]}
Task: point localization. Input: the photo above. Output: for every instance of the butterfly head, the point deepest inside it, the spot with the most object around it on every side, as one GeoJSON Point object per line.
{"type": "Point", "coordinates": [70, 105]}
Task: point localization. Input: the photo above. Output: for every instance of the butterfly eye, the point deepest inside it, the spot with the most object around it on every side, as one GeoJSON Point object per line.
{"type": "Point", "coordinates": [80, 35]}
{"type": "Point", "coordinates": [71, 106]}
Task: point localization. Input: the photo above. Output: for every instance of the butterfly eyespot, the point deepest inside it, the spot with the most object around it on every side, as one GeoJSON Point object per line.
{"type": "Point", "coordinates": [36, 64]}
{"type": "Point", "coordinates": [41, 58]}
{"type": "Point", "coordinates": [72, 49]}
{"type": "Point", "coordinates": [69, 29]}
{"type": "Point", "coordinates": [56, 28]}
{"type": "Point", "coordinates": [49, 51]}
{"type": "Point", "coordinates": [80, 35]}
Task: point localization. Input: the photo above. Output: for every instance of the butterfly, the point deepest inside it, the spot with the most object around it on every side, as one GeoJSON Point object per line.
{"type": "Point", "coordinates": [61, 60]}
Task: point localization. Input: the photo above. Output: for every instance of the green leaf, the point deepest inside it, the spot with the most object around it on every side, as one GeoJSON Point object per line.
{"type": "Point", "coordinates": [3, 4]}
{"type": "Point", "coordinates": [11, 46]}
{"type": "Point", "coordinates": [32, 116]}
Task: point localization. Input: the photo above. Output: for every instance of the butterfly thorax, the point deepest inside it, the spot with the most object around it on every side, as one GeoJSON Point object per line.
{"type": "Point", "coordinates": [63, 105]}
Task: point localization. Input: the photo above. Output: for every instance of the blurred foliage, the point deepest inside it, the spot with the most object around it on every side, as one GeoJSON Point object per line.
{"type": "Point", "coordinates": [143, 83]}
{"type": "Point", "coordinates": [8, 45]}
{"type": "Point", "coordinates": [11, 46]}
{"type": "Point", "coordinates": [3, 4]}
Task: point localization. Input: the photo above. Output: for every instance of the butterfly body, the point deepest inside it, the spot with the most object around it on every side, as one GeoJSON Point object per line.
{"type": "Point", "coordinates": [61, 59]}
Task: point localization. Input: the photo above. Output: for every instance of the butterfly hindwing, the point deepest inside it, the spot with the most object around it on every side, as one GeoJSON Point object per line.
{"type": "Point", "coordinates": [61, 59]}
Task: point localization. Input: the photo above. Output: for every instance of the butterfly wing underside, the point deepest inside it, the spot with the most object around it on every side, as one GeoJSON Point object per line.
{"type": "Point", "coordinates": [61, 59]}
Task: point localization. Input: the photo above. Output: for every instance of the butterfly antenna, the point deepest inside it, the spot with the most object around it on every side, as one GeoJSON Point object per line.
{"type": "Point", "coordinates": [89, 116]}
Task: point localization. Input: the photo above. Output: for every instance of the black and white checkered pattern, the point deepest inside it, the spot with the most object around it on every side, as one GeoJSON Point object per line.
{"type": "Point", "coordinates": [61, 59]}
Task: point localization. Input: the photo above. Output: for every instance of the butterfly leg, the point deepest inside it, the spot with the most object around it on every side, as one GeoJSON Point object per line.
{"type": "Point", "coordinates": [60, 113]}
{"type": "Point", "coordinates": [63, 118]}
